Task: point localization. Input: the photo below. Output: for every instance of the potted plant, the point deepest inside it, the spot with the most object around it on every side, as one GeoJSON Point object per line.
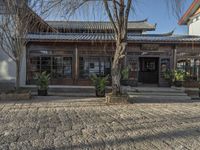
{"type": "Point", "coordinates": [175, 77]}
{"type": "Point", "coordinates": [100, 84]}
{"type": "Point", "coordinates": [179, 77]}
{"type": "Point", "coordinates": [125, 76]}
{"type": "Point", "coordinates": [43, 83]}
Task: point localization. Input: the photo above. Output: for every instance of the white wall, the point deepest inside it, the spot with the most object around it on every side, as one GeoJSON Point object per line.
{"type": "Point", "coordinates": [7, 68]}
{"type": "Point", "coordinates": [194, 26]}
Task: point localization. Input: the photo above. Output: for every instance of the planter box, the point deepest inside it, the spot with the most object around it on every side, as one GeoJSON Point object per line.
{"type": "Point", "coordinates": [191, 84]}
{"type": "Point", "coordinates": [132, 83]}
{"type": "Point", "coordinates": [178, 83]}
{"type": "Point", "coordinates": [116, 99]}
{"type": "Point", "coordinates": [15, 96]}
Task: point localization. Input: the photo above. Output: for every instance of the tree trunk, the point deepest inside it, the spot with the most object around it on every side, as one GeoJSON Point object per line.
{"type": "Point", "coordinates": [116, 68]}
{"type": "Point", "coordinates": [116, 76]}
{"type": "Point", "coordinates": [17, 82]}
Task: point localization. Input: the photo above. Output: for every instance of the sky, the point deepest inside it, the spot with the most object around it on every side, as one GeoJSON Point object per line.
{"type": "Point", "coordinates": [156, 11]}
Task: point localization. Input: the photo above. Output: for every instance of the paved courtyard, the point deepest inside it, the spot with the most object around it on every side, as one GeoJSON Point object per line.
{"type": "Point", "coordinates": [90, 124]}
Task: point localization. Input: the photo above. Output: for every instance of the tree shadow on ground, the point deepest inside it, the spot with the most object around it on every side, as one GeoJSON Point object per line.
{"type": "Point", "coordinates": [189, 133]}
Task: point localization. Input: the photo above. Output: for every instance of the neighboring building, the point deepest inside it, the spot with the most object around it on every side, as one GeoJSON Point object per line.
{"type": "Point", "coordinates": [73, 50]}
{"type": "Point", "coordinates": [192, 18]}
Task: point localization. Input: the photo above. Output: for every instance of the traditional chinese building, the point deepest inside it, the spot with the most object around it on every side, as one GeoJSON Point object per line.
{"type": "Point", "coordinates": [80, 49]}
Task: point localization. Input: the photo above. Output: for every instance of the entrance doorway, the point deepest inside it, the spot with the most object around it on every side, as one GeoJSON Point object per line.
{"type": "Point", "coordinates": [149, 70]}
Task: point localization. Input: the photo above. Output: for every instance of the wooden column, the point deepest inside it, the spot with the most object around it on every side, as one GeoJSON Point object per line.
{"type": "Point", "coordinates": [76, 64]}
{"type": "Point", "coordinates": [174, 58]}
{"type": "Point", "coordinates": [125, 59]}
{"type": "Point", "coordinates": [197, 69]}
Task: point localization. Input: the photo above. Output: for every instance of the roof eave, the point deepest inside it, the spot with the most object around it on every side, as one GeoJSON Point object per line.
{"type": "Point", "coordinates": [185, 17]}
{"type": "Point", "coordinates": [112, 41]}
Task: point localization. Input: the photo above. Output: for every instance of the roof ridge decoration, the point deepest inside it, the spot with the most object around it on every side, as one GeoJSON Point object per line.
{"type": "Point", "coordinates": [141, 25]}
{"type": "Point", "coordinates": [169, 33]}
{"type": "Point", "coordinates": [76, 21]}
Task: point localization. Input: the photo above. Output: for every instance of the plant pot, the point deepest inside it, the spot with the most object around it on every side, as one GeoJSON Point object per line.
{"type": "Point", "coordinates": [178, 83]}
{"type": "Point", "coordinates": [125, 82]}
{"type": "Point", "coordinates": [100, 93]}
{"type": "Point", "coordinates": [42, 92]}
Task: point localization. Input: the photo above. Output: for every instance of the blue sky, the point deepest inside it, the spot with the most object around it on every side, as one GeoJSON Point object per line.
{"type": "Point", "coordinates": [155, 10]}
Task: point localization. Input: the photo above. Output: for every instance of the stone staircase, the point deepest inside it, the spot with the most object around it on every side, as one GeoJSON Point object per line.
{"type": "Point", "coordinates": [156, 94]}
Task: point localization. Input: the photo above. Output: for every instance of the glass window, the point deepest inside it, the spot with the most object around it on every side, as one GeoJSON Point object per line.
{"type": "Point", "coordinates": [57, 70]}
{"type": "Point", "coordinates": [58, 67]}
{"type": "Point", "coordinates": [46, 64]}
{"type": "Point", "coordinates": [67, 67]}
{"type": "Point", "coordinates": [94, 65]}
{"type": "Point", "coordinates": [35, 64]}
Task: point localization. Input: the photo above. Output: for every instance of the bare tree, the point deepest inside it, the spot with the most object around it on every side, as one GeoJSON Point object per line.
{"type": "Point", "coordinates": [118, 12]}
{"type": "Point", "coordinates": [16, 20]}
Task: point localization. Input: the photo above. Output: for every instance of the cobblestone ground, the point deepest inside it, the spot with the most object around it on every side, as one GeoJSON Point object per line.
{"type": "Point", "coordinates": [94, 125]}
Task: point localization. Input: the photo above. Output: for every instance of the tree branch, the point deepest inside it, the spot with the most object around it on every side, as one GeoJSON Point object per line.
{"type": "Point", "coordinates": [128, 7]}
{"type": "Point", "coordinates": [110, 16]}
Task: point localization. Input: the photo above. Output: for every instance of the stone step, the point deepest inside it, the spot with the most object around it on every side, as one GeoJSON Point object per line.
{"type": "Point", "coordinates": [153, 94]}
{"type": "Point", "coordinates": [152, 89]}
{"type": "Point", "coordinates": [157, 98]}
{"type": "Point", "coordinates": [156, 90]}
{"type": "Point", "coordinates": [158, 93]}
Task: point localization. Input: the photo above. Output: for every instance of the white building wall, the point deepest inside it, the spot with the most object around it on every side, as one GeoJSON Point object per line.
{"type": "Point", "coordinates": [194, 26]}
{"type": "Point", "coordinates": [7, 68]}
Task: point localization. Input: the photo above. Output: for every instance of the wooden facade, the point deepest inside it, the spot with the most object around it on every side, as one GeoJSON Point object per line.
{"type": "Point", "coordinates": [66, 61]}
{"type": "Point", "coordinates": [79, 49]}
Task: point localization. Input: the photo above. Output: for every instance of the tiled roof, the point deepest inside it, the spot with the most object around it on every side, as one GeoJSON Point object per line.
{"type": "Point", "coordinates": [162, 38]}
{"type": "Point", "coordinates": [92, 25]}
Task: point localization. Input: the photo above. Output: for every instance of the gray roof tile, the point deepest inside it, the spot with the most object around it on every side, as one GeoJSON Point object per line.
{"type": "Point", "coordinates": [91, 25]}
{"type": "Point", "coordinates": [110, 37]}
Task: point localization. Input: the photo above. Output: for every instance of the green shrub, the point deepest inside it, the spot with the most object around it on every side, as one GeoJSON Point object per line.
{"type": "Point", "coordinates": [175, 75]}
{"type": "Point", "coordinates": [99, 82]}
{"type": "Point", "coordinates": [125, 73]}
{"type": "Point", "coordinates": [42, 80]}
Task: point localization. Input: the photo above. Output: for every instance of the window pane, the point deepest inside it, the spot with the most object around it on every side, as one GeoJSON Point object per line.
{"type": "Point", "coordinates": [94, 65]}
{"type": "Point", "coordinates": [57, 71]}
{"type": "Point", "coordinates": [34, 67]}
{"type": "Point", "coordinates": [67, 67]}
{"type": "Point", "coordinates": [46, 64]}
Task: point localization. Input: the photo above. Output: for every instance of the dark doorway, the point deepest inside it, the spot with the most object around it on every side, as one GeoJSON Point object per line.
{"type": "Point", "coordinates": [149, 70]}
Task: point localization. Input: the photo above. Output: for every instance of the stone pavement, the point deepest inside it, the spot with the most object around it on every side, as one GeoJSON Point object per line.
{"type": "Point", "coordinates": [51, 124]}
